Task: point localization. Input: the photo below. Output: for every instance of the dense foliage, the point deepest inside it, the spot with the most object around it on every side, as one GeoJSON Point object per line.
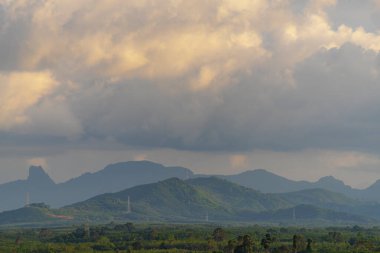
{"type": "Point", "coordinates": [189, 238]}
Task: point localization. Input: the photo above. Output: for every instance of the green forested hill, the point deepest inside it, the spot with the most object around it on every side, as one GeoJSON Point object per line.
{"type": "Point", "coordinates": [171, 199]}
{"type": "Point", "coordinates": [318, 197]}
{"type": "Point", "coordinates": [201, 199]}
{"type": "Point", "coordinates": [194, 199]}
{"type": "Point", "coordinates": [35, 213]}
{"type": "Point", "coordinates": [237, 197]}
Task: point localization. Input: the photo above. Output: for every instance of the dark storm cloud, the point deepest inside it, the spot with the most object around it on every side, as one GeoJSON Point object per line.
{"type": "Point", "coordinates": [332, 104]}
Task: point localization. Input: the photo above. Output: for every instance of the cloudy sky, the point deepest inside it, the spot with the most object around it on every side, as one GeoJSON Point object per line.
{"type": "Point", "coordinates": [219, 86]}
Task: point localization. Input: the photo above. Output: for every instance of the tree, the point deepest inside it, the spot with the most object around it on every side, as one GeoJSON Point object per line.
{"type": "Point", "coordinates": [335, 237]}
{"type": "Point", "coordinates": [282, 249]}
{"type": "Point", "coordinates": [103, 244]}
{"type": "Point", "coordinates": [308, 247]}
{"type": "Point", "coordinates": [230, 247]}
{"type": "Point", "coordinates": [18, 240]}
{"type": "Point", "coordinates": [130, 227]}
{"type": "Point", "coordinates": [266, 241]}
{"type": "Point", "coordinates": [298, 243]}
{"type": "Point", "coordinates": [352, 241]}
{"type": "Point", "coordinates": [218, 235]}
{"type": "Point", "coordinates": [137, 245]}
{"type": "Point", "coordinates": [45, 233]}
{"type": "Point", "coordinates": [151, 234]}
{"type": "Point", "coordinates": [246, 245]}
{"type": "Point", "coordinates": [79, 234]}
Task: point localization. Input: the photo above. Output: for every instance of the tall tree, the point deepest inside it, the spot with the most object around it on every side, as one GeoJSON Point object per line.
{"type": "Point", "coordinates": [218, 235]}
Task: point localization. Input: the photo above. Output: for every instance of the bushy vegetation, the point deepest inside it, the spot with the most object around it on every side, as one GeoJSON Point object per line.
{"type": "Point", "coordinates": [190, 238]}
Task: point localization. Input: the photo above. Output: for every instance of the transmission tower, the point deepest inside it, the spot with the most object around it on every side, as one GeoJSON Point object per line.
{"type": "Point", "coordinates": [129, 210]}
{"type": "Point", "coordinates": [294, 214]}
{"type": "Point", "coordinates": [27, 199]}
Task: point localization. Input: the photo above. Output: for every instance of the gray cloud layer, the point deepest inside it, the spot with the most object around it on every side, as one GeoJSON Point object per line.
{"type": "Point", "coordinates": [222, 75]}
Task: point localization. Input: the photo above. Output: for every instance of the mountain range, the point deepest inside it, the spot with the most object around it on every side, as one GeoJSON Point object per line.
{"type": "Point", "coordinates": [217, 199]}
{"type": "Point", "coordinates": [159, 192]}
{"type": "Point", "coordinates": [197, 200]}
{"type": "Point", "coordinates": [39, 187]}
{"type": "Point", "coordinates": [268, 182]}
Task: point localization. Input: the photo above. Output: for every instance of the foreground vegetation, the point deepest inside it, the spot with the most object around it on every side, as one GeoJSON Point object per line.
{"type": "Point", "coordinates": [189, 238]}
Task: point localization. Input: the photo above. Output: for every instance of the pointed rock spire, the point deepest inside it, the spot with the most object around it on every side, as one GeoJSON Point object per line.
{"type": "Point", "coordinates": [37, 175]}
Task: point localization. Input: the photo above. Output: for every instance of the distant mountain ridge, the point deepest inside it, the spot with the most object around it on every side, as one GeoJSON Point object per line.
{"type": "Point", "coordinates": [201, 200]}
{"type": "Point", "coordinates": [268, 182]}
{"type": "Point", "coordinates": [119, 176]}
{"type": "Point", "coordinates": [265, 181]}
{"type": "Point", "coordinates": [15, 194]}
{"type": "Point", "coordinates": [115, 177]}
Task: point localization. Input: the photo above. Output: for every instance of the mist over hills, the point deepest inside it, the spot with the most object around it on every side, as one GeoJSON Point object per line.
{"type": "Point", "coordinates": [38, 184]}
{"type": "Point", "coordinates": [196, 200]}
{"type": "Point", "coordinates": [268, 182]}
{"type": "Point", "coordinates": [218, 199]}
{"type": "Point", "coordinates": [114, 177]}
{"type": "Point", "coordinates": [159, 192]}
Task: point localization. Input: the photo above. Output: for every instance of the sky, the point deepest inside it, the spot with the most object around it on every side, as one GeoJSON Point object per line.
{"type": "Point", "coordinates": [218, 86]}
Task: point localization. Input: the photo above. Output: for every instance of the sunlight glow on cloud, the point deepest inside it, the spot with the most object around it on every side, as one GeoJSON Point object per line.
{"type": "Point", "coordinates": [239, 162]}
{"type": "Point", "coordinates": [208, 75]}
{"type": "Point", "coordinates": [18, 92]}
{"type": "Point", "coordinates": [204, 42]}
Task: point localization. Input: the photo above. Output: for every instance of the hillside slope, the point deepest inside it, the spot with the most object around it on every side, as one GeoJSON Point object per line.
{"type": "Point", "coordinates": [194, 199]}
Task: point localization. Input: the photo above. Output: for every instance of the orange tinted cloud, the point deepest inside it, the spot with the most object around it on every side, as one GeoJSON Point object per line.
{"type": "Point", "coordinates": [18, 92]}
